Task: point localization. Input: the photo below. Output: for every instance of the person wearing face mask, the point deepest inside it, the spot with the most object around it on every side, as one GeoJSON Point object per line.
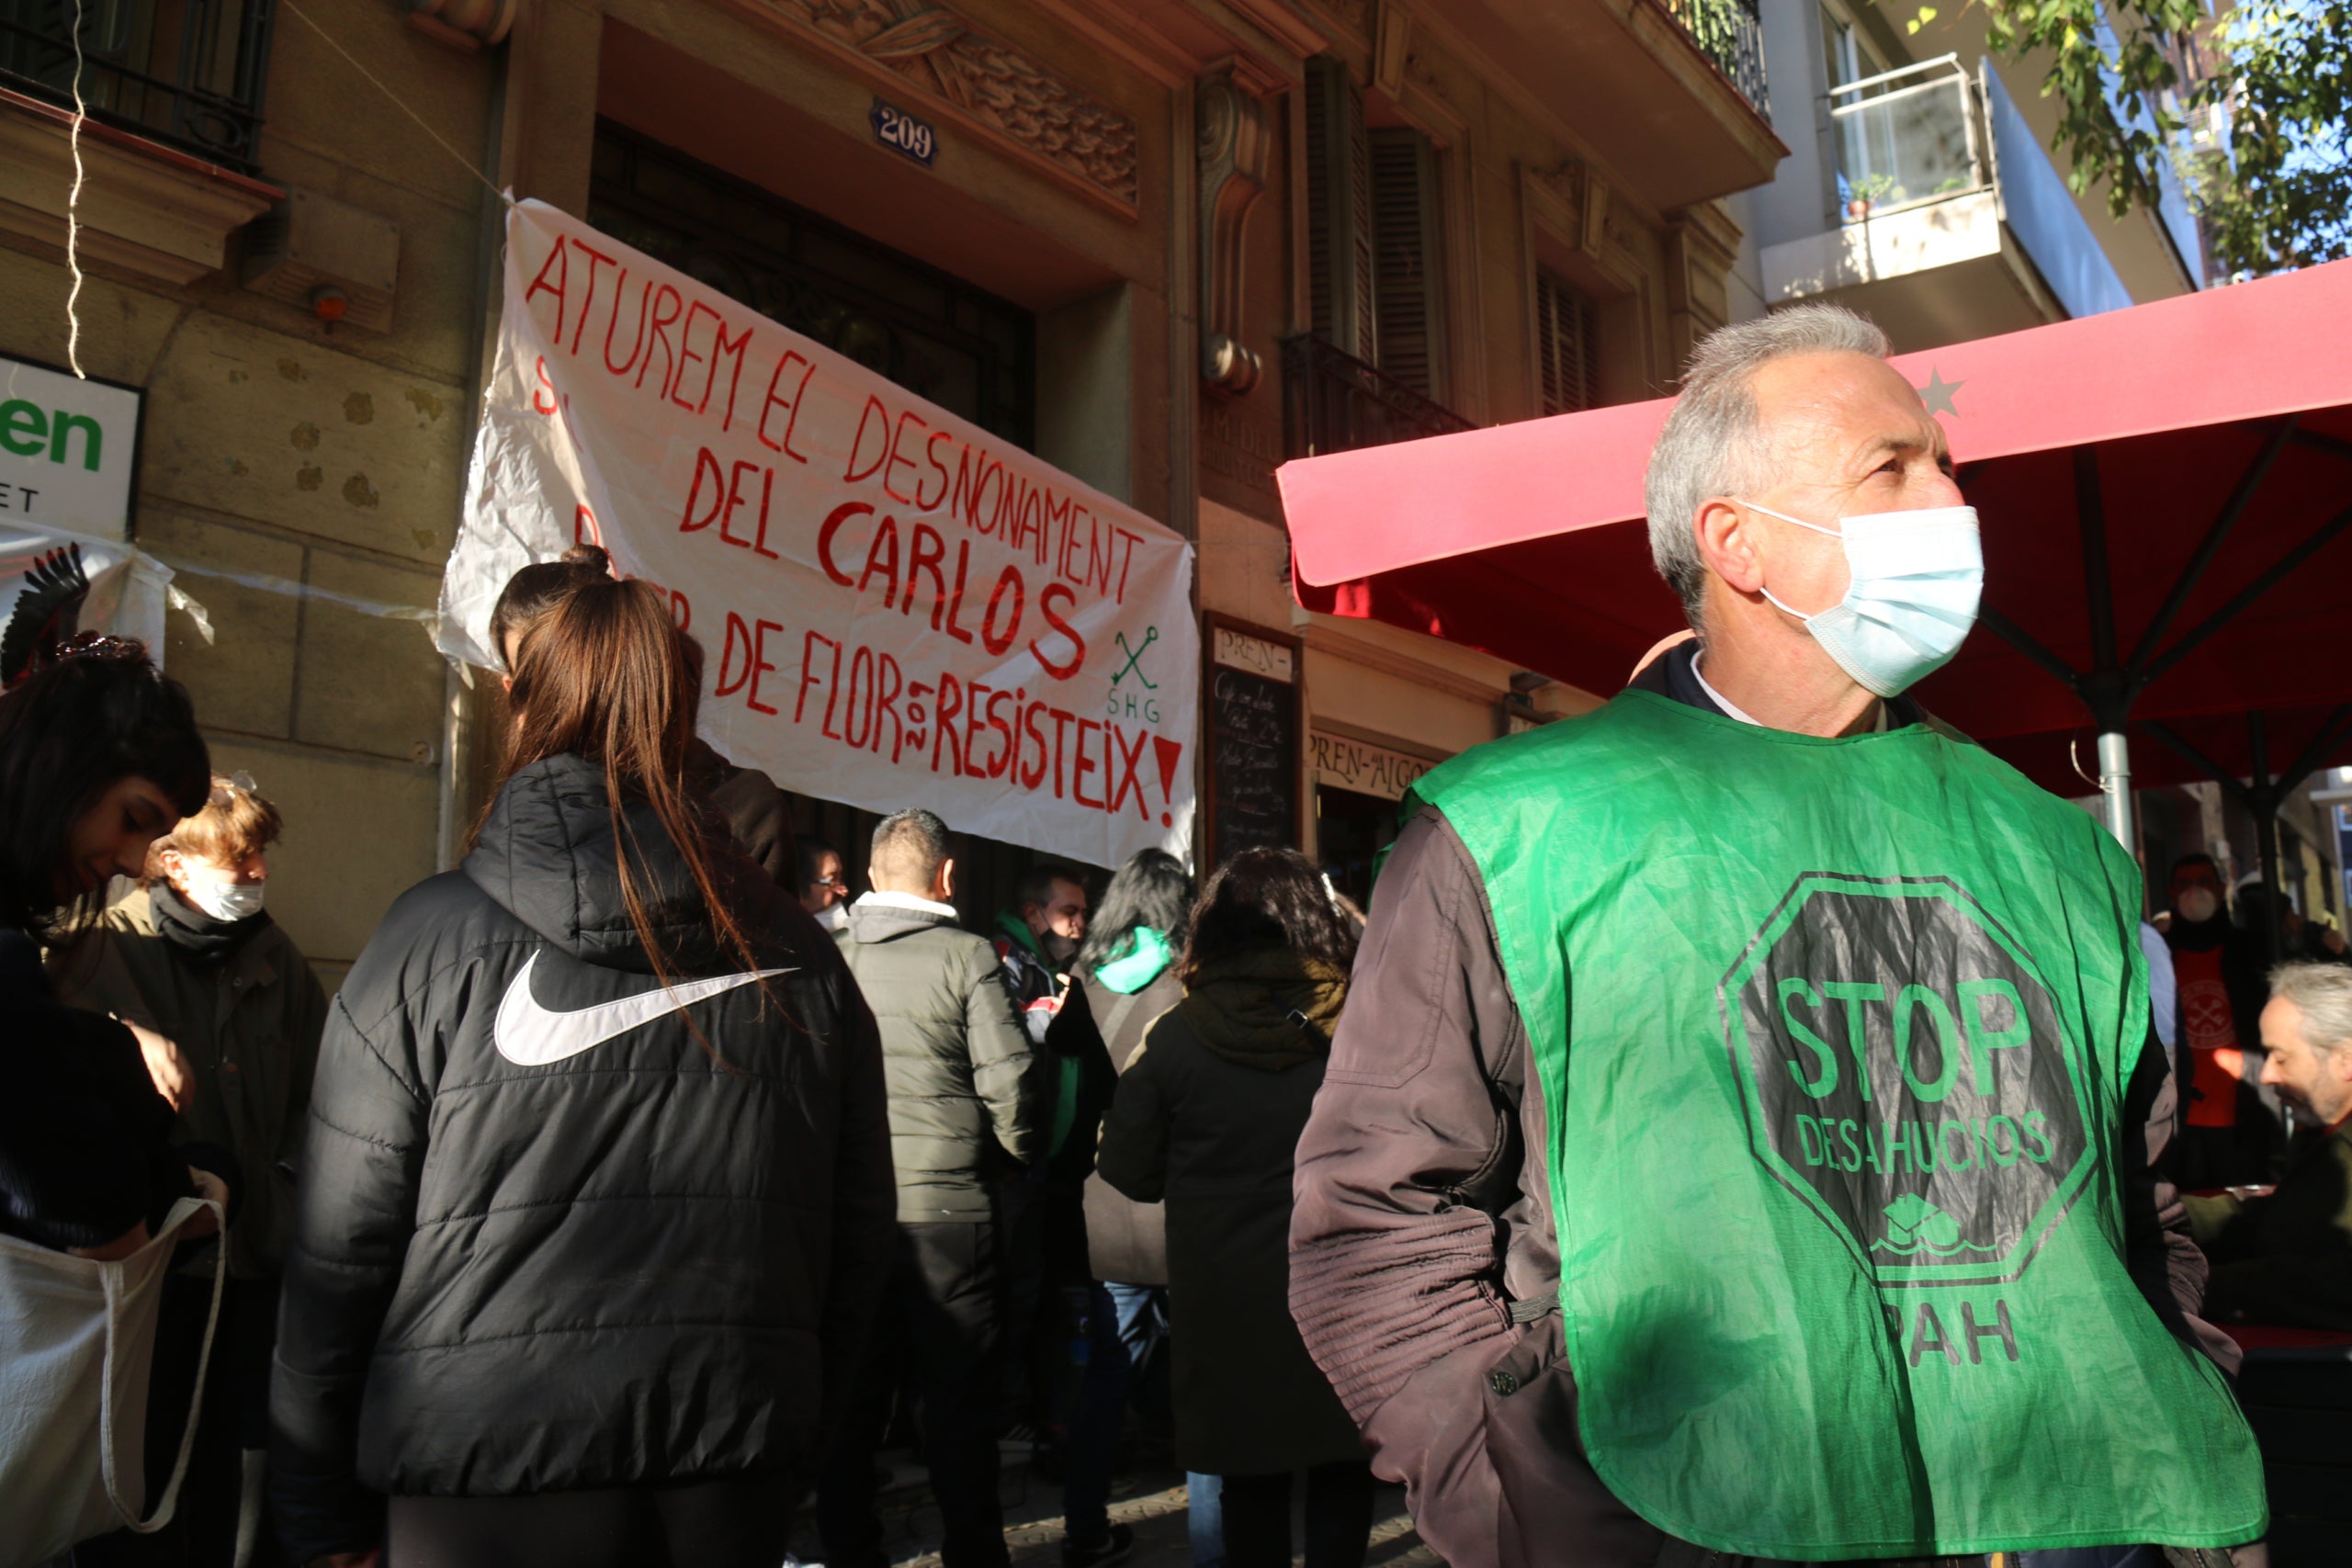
{"type": "Point", "coordinates": [824, 885]}
{"type": "Point", "coordinates": [2230, 1124]}
{"type": "Point", "coordinates": [1740, 1138]}
{"type": "Point", "coordinates": [2284, 1256]}
{"type": "Point", "coordinates": [194, 957]}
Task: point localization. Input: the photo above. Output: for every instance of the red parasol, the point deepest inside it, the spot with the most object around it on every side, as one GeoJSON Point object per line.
{"type": "Point", "coordinates": [2164, 492]}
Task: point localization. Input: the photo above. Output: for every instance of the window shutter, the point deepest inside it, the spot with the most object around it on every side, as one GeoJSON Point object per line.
{"type": "Point", "coordinates": [1406, 262]}
{"type": "Point", "coordinates": [1339, 211]}
{"type": "Point", "coordinates": [1565, 333]}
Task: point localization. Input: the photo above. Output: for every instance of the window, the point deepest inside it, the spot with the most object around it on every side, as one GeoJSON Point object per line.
{"type": "Point", "coordinates": [939, 337]}
{"type": "Point", "coordinates": [1409, 310]}
{"type": "Point", "coordinates": [1374, 250]}
{"type": "Point", "coordinates": [1566, 333]}
{"type": "Point", "coordinates": [1865, 150]}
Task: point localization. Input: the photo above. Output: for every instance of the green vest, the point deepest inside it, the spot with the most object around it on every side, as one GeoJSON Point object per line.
{"type": "Point", "coordinates": [1833, 1037]}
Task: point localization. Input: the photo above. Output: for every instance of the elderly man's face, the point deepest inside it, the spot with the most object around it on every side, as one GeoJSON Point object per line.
{"type": "Point", "coordinates": [2315, 1082]}
{"type": "Point", "coordinates": [1845, 434]}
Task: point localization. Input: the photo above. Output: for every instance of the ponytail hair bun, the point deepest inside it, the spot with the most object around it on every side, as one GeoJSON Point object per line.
{"type": "Point", "coordinates": [593, 557]}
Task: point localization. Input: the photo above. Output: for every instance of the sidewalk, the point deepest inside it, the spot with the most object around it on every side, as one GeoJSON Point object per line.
{"type": "Point", "coordinates": [1151, 1500]}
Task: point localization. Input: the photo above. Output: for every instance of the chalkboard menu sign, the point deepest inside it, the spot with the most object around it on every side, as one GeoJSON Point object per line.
{"type": "Point", "coordinates": [1251, 725]}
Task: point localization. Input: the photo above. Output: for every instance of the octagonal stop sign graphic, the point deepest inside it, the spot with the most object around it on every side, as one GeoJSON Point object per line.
{"type": "Point", "coordinates": [1907, 1078]}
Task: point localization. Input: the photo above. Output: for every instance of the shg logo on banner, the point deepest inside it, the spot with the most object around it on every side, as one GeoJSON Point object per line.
{"type": "Point", "coordinates": [896, 608]}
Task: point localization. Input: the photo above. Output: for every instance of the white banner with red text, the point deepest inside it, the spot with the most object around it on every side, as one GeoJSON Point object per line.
{"type": "Point", "coordinates": [896, 607]}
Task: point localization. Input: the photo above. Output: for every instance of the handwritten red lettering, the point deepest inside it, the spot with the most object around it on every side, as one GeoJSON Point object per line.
{"type": "Point", "coordinates": [897, 461]}
{"type": "Point", "coordinates": [760, 665]}
{"type": "Point", "coordinates": [791, 405]}
{"type": "Point", "coordinates": [834, 521]}
{"type": "Point", "coordinates": [1046, 607]}
{"type": "Point", "coordinates": [997, 639]}
{"type": "Point", "coordinates": [851, 475]}
{"type": "Point", "coordinates": [706, 462]}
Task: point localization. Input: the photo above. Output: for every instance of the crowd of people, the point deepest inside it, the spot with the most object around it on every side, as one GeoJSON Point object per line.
{"type": "Point", "coordinates": [639, 1185]}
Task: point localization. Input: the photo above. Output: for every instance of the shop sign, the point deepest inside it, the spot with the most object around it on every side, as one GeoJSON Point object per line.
{"type": "Point", "coordinates": [1365, 768]}
{"type": "Point", "coordinates": [1256, 655]}
{"type": "Point", "coordinates": [68, 449]}
{"type": "Point", "coordinates": [896, 608]}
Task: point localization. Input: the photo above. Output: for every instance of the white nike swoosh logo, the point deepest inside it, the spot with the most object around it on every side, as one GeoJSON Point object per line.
{"type": "Point", "coordinates": [532, 1036]}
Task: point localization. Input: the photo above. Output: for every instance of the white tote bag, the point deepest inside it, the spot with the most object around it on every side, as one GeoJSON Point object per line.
{"type": "Point", "coordinates": [77, 1342]}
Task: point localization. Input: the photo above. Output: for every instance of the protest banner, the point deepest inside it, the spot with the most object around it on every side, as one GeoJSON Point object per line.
{"type": "Point", "coordinates": [896, 607]}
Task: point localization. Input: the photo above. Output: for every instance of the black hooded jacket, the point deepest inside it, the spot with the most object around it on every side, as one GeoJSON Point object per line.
{"type": "Point", "coordinates": [543, 1241]}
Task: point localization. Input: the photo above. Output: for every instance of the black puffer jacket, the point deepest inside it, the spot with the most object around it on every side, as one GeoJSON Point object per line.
{"type": "Point", "coordinates": [542, 1240]}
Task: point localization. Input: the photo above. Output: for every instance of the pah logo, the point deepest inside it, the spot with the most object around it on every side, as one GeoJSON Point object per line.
{"type": "Point", "coordinates": [1907, 1078]}
{"type": "Point", "coordinates": [1134, 693]}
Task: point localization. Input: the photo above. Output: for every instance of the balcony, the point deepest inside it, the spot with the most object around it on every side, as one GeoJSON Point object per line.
{"type": "Point", "coordinates": [1335, 402]}
{"type": "Point", "coordinates": [185, 73]}
{"type": "Point", "coordinates": [1949, 222]}
{"type": "Point", "coordinates": [1730, 33]}
{"type": "Point", "coordinates": [1668, 93]}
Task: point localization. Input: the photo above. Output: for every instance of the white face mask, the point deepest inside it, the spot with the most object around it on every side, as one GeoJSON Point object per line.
{"type": "Point", "coordinates": [221, 900]}
{"type": "Point", "coordinates": [2200, 904]}
{"type": "Point", "coordinates": [1914, 579]}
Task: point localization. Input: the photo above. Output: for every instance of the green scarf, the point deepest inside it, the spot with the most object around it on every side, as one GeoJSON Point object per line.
{"type": "Point", "coordinates": [1241, 1007]}
{"type": "Point", "coordinates": [1139, 959]}
{"type": "Point", "coordinates": [1013, 926]}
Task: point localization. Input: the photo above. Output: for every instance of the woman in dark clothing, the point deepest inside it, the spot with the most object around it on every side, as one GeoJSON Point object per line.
{"type": "Point", "coordinates": [1206, 1118]}
{"type": "Point", "coordinates": [756, 812]}
{"type": "Point", "coordinates": [194, 956]}
{"type": "Point", "coordinates": [99, 755]}
{"type": "Point", "coordinates": [1125, 977]}
{"type": "Point", "coordinates": [597, 1199]}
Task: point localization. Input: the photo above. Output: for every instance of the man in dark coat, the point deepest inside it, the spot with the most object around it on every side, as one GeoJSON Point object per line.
{"type": "Point", "coordinates": [2286, 1257]}
{"type": "Point", "coordinates": [955, 1058]}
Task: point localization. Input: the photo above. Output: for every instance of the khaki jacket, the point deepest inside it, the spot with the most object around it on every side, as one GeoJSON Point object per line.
{"type": "Point", "coordinates": [249, 1028]}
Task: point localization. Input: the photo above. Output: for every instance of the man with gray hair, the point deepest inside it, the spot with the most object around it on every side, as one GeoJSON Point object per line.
{"type": "Point", "coordinates": [1739, 1143]}
{"type": "Point", "coordinates": [954, 1059]}
{"type": "Point", "coordinates": [2284, 1255]}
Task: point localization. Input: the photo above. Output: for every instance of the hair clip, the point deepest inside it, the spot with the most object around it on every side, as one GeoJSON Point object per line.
{"type": "Point", "coordinates": [82, 645]}
{"type": "Point", "coordinates": [226, 790]}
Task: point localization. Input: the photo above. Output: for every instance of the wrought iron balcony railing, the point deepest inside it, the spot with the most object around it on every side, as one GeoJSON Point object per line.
{"type": "Point", "coordinates": [1335, 402]}
{"type": "Point", "coordinates": [1731, 33]}
{"type": "Point", "coordinates": [185, 73]}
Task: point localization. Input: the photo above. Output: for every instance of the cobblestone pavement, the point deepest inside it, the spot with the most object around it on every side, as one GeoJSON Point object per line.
{"type": "Point", "coordinates": [1151, 1500]}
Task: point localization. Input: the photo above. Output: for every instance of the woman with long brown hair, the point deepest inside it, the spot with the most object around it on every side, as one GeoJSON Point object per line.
{"type": "Point", "coordinates": [597, 1193]}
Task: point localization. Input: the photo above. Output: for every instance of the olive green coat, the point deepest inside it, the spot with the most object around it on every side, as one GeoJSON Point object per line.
{"type": "Point", "coordinates": [248, 1026]}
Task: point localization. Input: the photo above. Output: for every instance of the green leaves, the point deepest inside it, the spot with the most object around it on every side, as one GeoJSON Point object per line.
{"type": "Point", "coordinates": [2249, 111]}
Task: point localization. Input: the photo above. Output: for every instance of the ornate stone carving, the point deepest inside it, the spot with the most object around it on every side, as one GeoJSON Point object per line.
{"type": "Point", "coordinates": [986, 79]}
{"type": "Point", "coordinates": [1234, 149]}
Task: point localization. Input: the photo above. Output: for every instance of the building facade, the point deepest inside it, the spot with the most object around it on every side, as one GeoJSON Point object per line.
{"type": "Point", "coordinates": [1164, 246]}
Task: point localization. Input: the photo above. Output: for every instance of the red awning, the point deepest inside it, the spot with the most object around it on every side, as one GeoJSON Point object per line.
{"type": "Point", "coordinates": [2211, 435]}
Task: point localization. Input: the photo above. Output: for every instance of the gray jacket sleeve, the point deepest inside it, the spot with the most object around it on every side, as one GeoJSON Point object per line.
{"type": "Point", "coordinates": [1000, 1052]}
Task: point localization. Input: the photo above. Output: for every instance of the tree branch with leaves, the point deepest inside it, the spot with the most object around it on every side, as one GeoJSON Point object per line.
{"type": "Point", "coordinates": [2248, 108]}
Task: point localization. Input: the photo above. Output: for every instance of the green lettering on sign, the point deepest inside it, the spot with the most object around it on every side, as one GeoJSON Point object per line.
{"type": "Point", "coordinates": [61, 424]}
{"type": "Point", "coordinates": [1825, 1079]}
{"type": "Point", "coordinates": [1984, 1040]}
{"type": "Point", "coordinates": [1854, 993]}
{"type": "Point", "coordinates": [23, 427]}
